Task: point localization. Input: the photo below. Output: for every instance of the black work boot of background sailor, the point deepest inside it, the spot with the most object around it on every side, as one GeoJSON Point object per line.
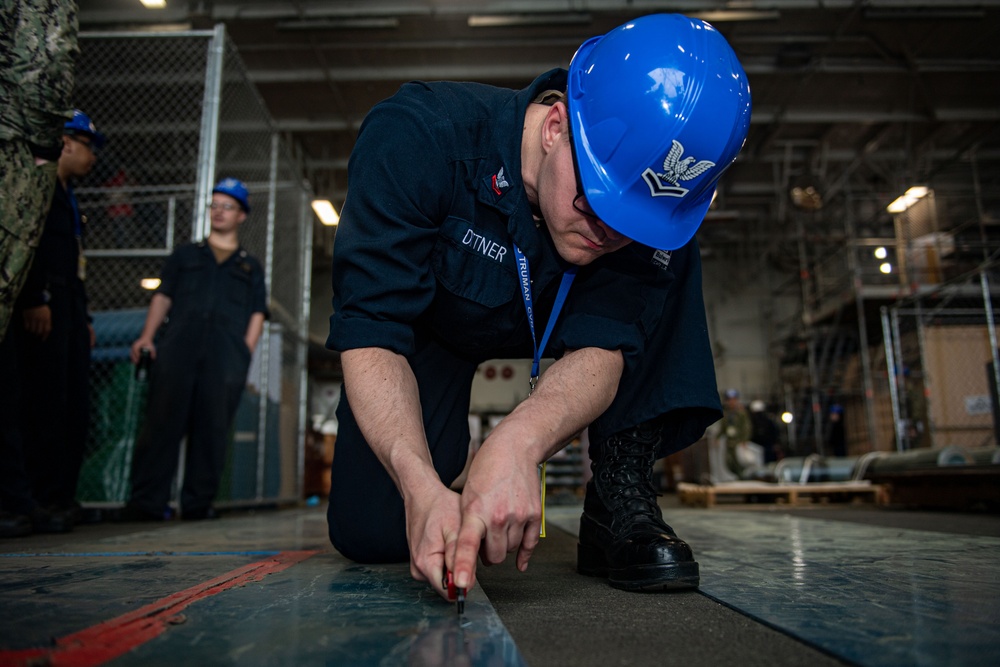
{"type": "Point", "coordinates": [622, 532]}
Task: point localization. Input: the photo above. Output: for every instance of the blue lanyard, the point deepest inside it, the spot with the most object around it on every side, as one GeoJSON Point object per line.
{"type": "Point", "coordinates": [524, 273]}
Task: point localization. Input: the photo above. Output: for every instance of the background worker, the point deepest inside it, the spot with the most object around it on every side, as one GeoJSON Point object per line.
{"type": "Point", "coordinates": [38, 49]}
{"type": "Point", "coordinates": [214, 294]}
{"type": "Point", "coordinates": [836, 443]}
{"type": "Point", "coordinates": [479, 218]}
{"type": "Point", "coordinates": [737, 429]}
{"type": "Point", "coordinates": [765, 431]}
{"type": "Point", "coordinates": [55, 352]}
{"type": "Point", "coordinates": [45, 362]}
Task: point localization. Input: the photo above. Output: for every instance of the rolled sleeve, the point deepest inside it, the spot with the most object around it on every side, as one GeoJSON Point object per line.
{"type": "Point", "coordinates": [616, 306]}
{"type": "Point", "coordinates": [400, 184]}
{"type": "Point", "coordinates": [586, 330]}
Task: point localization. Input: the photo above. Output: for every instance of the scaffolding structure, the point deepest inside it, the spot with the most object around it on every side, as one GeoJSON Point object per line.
{"type": "Point", "coordinates": [886, 297]}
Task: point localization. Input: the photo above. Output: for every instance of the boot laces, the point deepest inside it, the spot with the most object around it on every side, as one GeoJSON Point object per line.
{"type": "Point", "coordinates": [633, 498]}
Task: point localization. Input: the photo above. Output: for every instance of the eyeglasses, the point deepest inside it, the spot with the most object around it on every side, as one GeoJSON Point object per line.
{"type": "Point", "coordinates": [223, 206]}
{"type": "Point", "coordinates": [580, 203]}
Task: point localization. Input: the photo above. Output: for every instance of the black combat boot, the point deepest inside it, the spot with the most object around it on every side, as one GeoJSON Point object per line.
{"type": "Point", "coordinates": [622, 532]}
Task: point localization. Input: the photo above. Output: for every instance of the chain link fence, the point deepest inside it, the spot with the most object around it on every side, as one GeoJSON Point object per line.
{"type": "Point", "coordinates": [180, 113]}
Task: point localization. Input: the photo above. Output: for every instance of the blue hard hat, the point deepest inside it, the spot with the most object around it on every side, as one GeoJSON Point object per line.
{"type": "Point", "coordinates": [81, 123]}
{"type": "Point", "coordinates": [659, 109]}
{"type": "Point", "coordinates": [235, 189]}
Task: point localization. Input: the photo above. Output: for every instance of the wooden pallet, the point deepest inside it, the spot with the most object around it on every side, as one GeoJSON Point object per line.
{"type": "Point", "coordinates": [698, 495]}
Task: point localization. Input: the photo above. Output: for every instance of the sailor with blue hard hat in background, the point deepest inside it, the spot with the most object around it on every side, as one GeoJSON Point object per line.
{"type": "Point", "coordinates": [55, 353]}
{"type": "Point", "coordinates": [45, 357]}
{"type": "Point", "coordinates": [553, 221]}
{"type": "Point", "coordinates": [203, 324]}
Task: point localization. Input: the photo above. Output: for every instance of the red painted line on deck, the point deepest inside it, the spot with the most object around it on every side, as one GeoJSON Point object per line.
{"type": "Point", "coordinates": [106, 641]}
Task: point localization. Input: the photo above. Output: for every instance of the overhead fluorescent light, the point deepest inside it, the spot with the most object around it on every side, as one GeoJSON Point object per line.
{"type": "Point", "coordinates": [339, 24]}
{"type": "Point", "coordinates": [923, 13]}
{"type": "Point", "coordinates": [724, 16]}
{"type": "Point", "coordinates": [908, 199]}
{"type": "Point", "coordinates": [325, 211]}
{"type": "Point", "coordinates": [154, 4]}
{"type": "Point", "coordinates": [515, 20]}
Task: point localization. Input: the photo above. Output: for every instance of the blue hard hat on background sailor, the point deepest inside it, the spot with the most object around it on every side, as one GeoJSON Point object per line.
{"type": "Point", "coordinates": [82, 125]}
{"type": "Point", "coordinates": [235, 189]}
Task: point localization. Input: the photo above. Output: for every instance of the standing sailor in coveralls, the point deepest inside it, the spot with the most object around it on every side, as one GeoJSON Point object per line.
{"type": "Point", "coordinates": [214, 294]}
{"type": "Point", "coordinates": [553, 221]}
{"type": "Point", "coordinates": [58, 335]}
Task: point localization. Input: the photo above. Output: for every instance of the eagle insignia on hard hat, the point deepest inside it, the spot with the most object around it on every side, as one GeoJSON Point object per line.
{"type": "Point", "coordinates": [674, 170]}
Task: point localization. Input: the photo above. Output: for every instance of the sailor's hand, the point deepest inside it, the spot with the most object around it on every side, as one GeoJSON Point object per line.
{"type": "Point", "coordinates": [38, 321]}
{"type": "Point", "coordinates": [138, 346]}
{"type": "Point", "coordinates": [432, 522]}
{"type": "Point", "coordinates": [501, 511]}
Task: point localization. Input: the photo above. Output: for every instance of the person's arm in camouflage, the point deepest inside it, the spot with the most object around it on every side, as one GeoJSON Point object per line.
{"type": "Point", "coordinates": [40, 74]}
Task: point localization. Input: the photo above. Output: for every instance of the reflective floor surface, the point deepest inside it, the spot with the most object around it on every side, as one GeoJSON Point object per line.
{"type": "Point", "coordinates": [267, 589]}
{"type": "Point", "coordinates": [870, 595]}
{"type": "Point", "coordinates": [216, 598]}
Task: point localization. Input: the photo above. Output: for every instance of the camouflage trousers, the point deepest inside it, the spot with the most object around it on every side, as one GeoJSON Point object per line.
{"type": "Point", "coordinates": [25, 196]}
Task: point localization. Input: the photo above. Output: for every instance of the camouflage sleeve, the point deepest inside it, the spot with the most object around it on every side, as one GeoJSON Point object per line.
{"type": "Point", "coordinates": [39, 57]}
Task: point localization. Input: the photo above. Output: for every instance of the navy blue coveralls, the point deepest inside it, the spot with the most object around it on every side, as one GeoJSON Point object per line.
{"type": "Point", "coordinates": [56, 371]}
{"type": "Point", "coordinates": [199, 375]}
{"type": "Point", "coordinates": [50, 411]}
{"type": "Point", "coordinates": [424, 266]}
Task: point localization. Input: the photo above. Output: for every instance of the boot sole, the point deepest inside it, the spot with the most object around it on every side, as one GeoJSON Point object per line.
{"type": "Point", "coordinates": [674, 577]}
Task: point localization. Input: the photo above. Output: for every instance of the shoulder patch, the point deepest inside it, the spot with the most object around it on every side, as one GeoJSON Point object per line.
{"type": "Point", "coordinates": [498, 183]}
{"type": "Point", "coordinates": [661, 258]}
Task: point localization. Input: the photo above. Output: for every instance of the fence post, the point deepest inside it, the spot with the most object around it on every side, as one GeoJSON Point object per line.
{"type": "Point", "coordinates": [302, 340]}
{"type": "Point", "coordinates": [209, 132]}
{"type": "Point", "coordinates": [991, 326]}
{"type": "Point", "coordinates": [890, 362]}
{"type": "Point", "coordinates": [265, 352]}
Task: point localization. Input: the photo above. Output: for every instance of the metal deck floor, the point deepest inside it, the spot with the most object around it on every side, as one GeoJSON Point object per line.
{"type": "Point", "coordinates": [778, 588]}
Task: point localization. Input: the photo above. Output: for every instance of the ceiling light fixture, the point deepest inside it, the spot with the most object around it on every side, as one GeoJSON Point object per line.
{"type": "Point", "coordinates": [149, 283]}
{"type": "Point", "coordinates": [724, 16]}
{"type": "Point", "coordinates": [325, 211]}
{"type": "Point", "coordinates": [516, 20]}
{"type": "Point", "coordinates": [372, 23]}
{"type": "Point", "coordinates": [154, 4]}
{"type": "Point", "coordinates": [905, 201]}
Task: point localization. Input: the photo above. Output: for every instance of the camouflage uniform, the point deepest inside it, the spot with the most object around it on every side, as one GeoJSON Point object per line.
{"type": "Point", "coordinates": [38, 49]}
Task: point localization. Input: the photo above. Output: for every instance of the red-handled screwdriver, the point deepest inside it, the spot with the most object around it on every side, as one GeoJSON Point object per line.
{"type": "Point", "coordinates": [454, 592]}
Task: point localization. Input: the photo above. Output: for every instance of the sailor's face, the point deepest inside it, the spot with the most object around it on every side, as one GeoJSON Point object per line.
{"type": "Point", "coordinates": [227, 214]}
{"type": "Point", "coordinates": [579, 235]}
